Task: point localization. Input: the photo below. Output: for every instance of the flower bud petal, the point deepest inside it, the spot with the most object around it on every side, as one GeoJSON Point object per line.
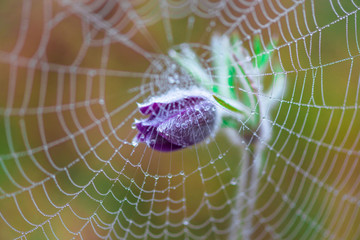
{"type": "Point", "coordinates": [190, 126]}
{"type": "Point", "coordinates": [177, 124]}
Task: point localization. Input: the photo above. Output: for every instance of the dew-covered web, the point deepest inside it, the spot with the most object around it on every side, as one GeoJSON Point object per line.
{"type": "Point", "coordinates": [72, 73]}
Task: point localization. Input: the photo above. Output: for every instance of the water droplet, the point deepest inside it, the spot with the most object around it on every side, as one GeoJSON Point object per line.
{"type": "Point", "coordinates": [156, 177]}
{"type": "Point", "coordinates": [278, 155]}
{"type": "Point", "coordinates": [186, 222]}
{"type": "Point", "coordinates": [172, 53]}
{"type": "Point", "coordinates": [169, 175]}
{"type": "Point", "coordinates": [142, 137]}
{"type": "Point", "coordinates": [233, 181]}
{"type": "Point", "coordinates": [171, 79]}
{"type": "Point", "coordinates": [212, 161]}
{"type": "Point", "coordinates": [181, 173]}
{"type": "Point", "coordinates": [133, 125]}
{"type": "Point", "coordinates": [135, 142]}
{"type": "Point", "coordinates": [220, 156]}
{"type": "Point", "coordinates": [92, 73]}
{"type": "Point", "coordinates": [132, 180]}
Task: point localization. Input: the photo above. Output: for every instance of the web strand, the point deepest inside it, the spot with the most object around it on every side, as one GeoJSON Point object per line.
{"type": "Point", "coordinates": [72, 73]}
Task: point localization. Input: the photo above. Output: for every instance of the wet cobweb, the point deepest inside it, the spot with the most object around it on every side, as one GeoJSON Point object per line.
{"type": "Point", "coordinates": [72, 73]}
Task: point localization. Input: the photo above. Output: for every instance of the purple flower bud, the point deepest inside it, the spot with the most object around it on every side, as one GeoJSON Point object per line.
{"type": "Point", "coordinates": [177, 124]}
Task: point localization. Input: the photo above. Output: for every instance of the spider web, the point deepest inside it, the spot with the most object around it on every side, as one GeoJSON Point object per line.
{"type": "Point", "coordinates": [73, 71]}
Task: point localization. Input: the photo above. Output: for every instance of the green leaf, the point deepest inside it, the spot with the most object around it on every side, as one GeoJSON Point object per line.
{"type": "Point", "coordinates": [231, 80]}
{"type": "Point", "coordinates": [222, 63]}
{"type": "Point", "coordinates": [262, 55]}
{"type": "Point", "coordinates": [234, 39]}
{"type": "Point", "coordinates": [228, 106]}
{"type": "Point", "coordinates": [255, 120]}
{"type": "Point", "coordinates": [249, 98]}
{"type": "Point", "coordinates": [257, 45]}
{"type": "Point", "coordinates": [230, 123]}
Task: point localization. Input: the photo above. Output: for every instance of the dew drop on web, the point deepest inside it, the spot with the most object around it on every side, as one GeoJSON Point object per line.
{"type": "Point", "coordinates": [152, 142]}
{"type": "Point", "coordinates": [171, 80]}
{"type": "Point", "coordinates": [135, 142]}
{"type": "Point", "coordinates": [233, 181]}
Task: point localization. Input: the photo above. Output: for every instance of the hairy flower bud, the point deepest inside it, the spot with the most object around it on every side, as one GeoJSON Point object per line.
{"type": "Point", "coordinates": [177, 123]}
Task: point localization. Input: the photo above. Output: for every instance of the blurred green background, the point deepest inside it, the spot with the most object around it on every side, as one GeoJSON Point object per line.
{"type": "Point", "coordinates": [71, 75]}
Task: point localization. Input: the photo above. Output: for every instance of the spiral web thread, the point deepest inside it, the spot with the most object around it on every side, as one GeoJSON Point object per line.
{"type": "Point", "coordinates": [73, 71]}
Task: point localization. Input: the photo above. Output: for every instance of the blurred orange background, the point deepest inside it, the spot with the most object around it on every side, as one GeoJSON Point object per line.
{"type": "Point", "coordinates": [71, 73]}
